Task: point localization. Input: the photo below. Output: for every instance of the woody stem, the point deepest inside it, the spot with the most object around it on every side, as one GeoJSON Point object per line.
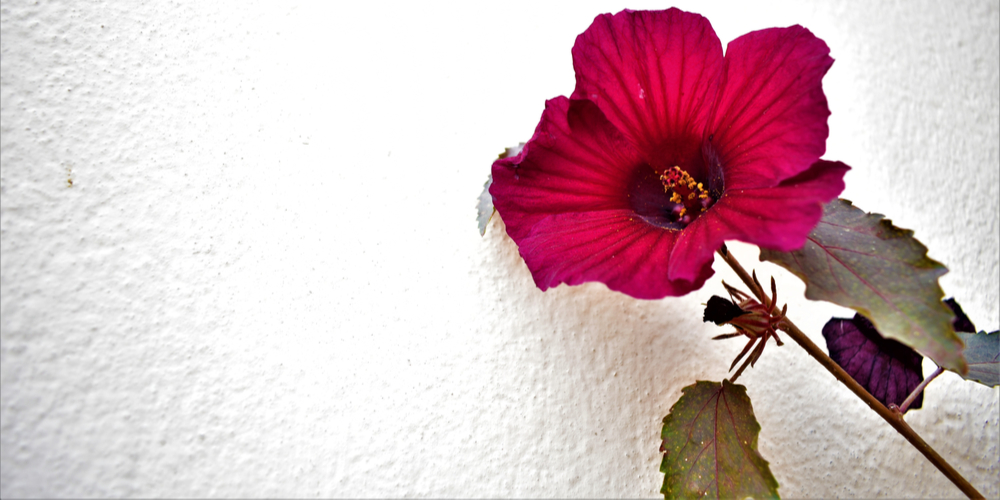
{"type": "Point", "coordinates": [894, 418]}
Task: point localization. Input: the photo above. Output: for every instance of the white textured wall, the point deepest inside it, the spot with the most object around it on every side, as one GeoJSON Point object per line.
{"type": "Point", "coordinates": [266, 279]}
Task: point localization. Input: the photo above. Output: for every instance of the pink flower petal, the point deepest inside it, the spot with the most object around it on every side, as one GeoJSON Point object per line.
{"type": "Point", "coordinates": [614, 247]}
{"type": "Point", "coordinates": [770, 117]}
{"type": "Point", "coordinates": [585, 200]}
{"type": "Point", "coordinates": [575, 162]}
{"type": "Point", "coordinates": [779, 218]}
{"type": "Point", "coordinates": [654, 74]}
{"type": "Point", "coordinates": [565, 202]}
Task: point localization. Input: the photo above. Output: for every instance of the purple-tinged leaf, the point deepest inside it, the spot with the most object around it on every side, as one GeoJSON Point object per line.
{"type": "Point", "coordinates": [710, 446]}
{"type": "Point", "coordinates": [962, 322]}
{"type": "Point", "coordinates": [860, 260]}
{"type": "Point", "coordinates": [982, 352]}
{"type": "Point", "coordinates": [890, 371]}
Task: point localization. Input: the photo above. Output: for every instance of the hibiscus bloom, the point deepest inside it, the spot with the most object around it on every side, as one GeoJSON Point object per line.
{"type": "Point", "coordinates": [666, 149]}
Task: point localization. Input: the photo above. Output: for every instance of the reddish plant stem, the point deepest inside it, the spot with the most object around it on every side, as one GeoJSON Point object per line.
{"type": "Point", "coordinates": [742, 367]}
{"type": "Point", "coordinates": [894, 418]}
{"type": "Point", "coordinates": [920, 388]}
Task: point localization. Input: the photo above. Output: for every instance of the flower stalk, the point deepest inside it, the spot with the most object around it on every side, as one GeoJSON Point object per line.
{"type": "Point", "coordinates": [893, 417]}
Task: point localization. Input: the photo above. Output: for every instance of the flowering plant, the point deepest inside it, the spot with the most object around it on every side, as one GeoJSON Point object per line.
{"type": "Point", "coordinates": [665, 150]}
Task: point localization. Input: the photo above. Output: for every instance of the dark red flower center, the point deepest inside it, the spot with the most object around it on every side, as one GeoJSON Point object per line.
{"type": "Point", "coordinates": [680, 181]}
{"type": "Point", "coordinates": [690, 197]}
{"type": "Point", "coordinates": [670, 199]}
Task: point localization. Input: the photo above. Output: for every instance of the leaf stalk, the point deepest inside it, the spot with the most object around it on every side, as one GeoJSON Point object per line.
{"type": "Point", "coordinates": [920, 388]}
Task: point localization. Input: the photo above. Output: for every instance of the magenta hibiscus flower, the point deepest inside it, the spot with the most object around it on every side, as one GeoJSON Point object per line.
{"type": "Point", "coordinates": [667, 149]}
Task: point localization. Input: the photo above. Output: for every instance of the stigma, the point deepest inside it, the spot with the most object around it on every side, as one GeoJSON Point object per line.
{"type": "Point", "coordinates": [691, 197]}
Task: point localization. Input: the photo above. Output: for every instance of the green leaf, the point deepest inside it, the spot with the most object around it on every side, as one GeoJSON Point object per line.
{"type": "Point", "coordinates": [486, 209]}
{"type": "Point", "coordinates": [860, 260]}
{"type": "Point", "coordinates": [710, 446]}
{"type": "Point", "coordinates": [982, 351]}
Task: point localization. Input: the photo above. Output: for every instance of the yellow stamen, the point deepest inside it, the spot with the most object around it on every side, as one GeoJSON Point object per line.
{"type": "Point", "coordinates": [684, 191]}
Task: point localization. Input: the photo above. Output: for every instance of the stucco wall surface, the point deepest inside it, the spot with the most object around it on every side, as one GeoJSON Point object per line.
{"type": "Point", "coordinates": [240, 256]}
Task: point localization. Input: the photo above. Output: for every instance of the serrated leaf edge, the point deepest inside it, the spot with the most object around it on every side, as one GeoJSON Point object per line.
{"type": "Point", "coordinates": [926, 262]}
{"type": "Point", "coordinates": [749, 447]}
{"type": "Point", "coordinates": [968, 376]}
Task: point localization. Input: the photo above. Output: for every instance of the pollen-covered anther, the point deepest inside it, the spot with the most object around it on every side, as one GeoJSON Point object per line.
{"type": "Point", "coordinates": [685, 191]}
